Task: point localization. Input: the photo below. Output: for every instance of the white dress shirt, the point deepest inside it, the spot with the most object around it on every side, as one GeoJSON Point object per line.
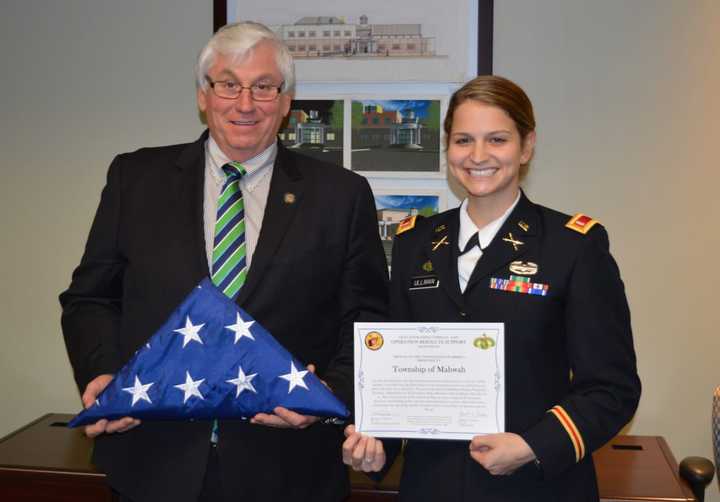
{"type": "Point", "coordinates": [468, 260]}
{"type": "Point", "coordinates": [255, 186]}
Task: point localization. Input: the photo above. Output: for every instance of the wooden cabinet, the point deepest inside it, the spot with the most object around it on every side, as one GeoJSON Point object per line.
{"type": "Point", "coordinates": [47, 462]}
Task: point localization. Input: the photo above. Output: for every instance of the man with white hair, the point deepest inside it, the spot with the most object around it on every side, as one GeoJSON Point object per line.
{"type": "Point", "coordinates": [309, 264]}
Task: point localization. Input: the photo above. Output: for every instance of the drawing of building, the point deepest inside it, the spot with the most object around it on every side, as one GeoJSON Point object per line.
{"type": "Point", "coordinates": [393, 128]}
{"type": "Point", "coordinates": [408, 132]}
{"type": "Point", "coordinates": [322, 36]}
{"type": "Point", "coordinates": [307, 128]}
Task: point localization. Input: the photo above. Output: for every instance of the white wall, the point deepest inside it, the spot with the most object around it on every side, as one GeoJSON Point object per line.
{"type": "Point", "coordinates": [626, 96]}
{"type": "Point", "coordinates": [626, 100]}
{"type": "Point", "coordinates": [82, 80]}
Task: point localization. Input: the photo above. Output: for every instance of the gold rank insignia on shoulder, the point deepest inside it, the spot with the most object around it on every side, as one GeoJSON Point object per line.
{"type": "Point", "coordinates": [581, 223]}
{"type": "Point", "coordinates": [406, 224]}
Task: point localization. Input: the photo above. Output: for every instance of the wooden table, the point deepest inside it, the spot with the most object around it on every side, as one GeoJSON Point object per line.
{"type": "Point", "coordinates": [47, 462]}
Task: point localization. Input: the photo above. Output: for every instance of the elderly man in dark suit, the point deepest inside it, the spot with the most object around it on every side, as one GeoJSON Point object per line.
{"type": "Point", "coordinates": [309, 262]}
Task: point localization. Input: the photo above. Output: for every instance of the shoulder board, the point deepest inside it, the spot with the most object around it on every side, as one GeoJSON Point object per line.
{"type": "Point", "coordinates": [406, 224]}
{"type": "Point", "coordinates": [581, 223]}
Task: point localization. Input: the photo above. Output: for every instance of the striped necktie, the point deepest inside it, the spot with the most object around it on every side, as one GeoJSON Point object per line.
{"type": "Point", "coordinates": [229, 266]}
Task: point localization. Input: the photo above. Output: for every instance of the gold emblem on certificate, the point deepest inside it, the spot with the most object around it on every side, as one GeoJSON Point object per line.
{"type": "Point", "coordinates": [374, 340]}
{"type": "Point", "coordinates": [484, 342]}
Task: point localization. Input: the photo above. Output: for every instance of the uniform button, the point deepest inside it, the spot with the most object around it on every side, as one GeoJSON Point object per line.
{"type": "Point", "coordinates": [462, 313]}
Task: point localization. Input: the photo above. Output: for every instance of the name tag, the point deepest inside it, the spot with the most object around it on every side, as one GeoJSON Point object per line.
{"type": "Point", "coordinates": [424, 282]}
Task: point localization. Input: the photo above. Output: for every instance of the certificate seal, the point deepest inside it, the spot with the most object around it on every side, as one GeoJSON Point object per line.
{"type": "Point", "coordinates": [374, 340]}
{"type": "Point", "coordinates": [484, 342]}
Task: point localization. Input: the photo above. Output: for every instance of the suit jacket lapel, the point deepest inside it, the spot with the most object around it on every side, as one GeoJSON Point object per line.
{"type": "Point", "coordinates": [284, 199]}
{"type": "Point", "coordinates": [191, 193]}
{"type": "Point", "coordinates": [517, 235]}
{"type": "Point", "coordinates": [442, 252]}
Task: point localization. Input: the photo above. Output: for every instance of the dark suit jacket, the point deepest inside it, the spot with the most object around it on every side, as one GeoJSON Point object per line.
{"type": "Point", "coordinates": [318, 267]}
{"type": "Point", "coordinates": [581, 326]}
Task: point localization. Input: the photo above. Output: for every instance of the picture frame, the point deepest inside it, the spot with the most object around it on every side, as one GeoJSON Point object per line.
{"type": "Point", "coordinates": [395, 204]}
{"type": "Point", "coordinates": [399, 137]}
{"type": "Point", "coordinates": [454, 49]}
{"type": "Point", "coordinates": [316, 128]}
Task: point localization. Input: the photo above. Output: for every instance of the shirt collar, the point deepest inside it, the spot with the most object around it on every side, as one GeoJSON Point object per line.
{"type": "Point", "coordinates": [485, 234]}
{"type": "Point", "coordinates": [256, 168]}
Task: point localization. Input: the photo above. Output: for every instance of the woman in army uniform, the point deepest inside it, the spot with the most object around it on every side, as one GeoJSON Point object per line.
{"type": "Point", "coordinates": [571, 378]}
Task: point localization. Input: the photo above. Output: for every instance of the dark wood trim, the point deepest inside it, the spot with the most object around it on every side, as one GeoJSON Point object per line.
{"type": "Point", "coordinates": [18, 431]}
{"type": "Point", "coordinates": [219, 14]}
{"type": "Point", "coordinates": [485, 37]}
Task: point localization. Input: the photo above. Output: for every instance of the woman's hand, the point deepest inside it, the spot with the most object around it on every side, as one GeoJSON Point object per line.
{"type": "Point", "coordinates": [361, 452]}
{"type": "Point", "coordinates": [502, 453]}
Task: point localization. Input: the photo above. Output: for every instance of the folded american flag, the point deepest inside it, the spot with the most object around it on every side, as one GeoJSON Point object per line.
{"type": "Point", "coordinates": [211, 360]}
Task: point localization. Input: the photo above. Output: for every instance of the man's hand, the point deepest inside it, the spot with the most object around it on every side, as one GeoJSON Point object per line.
{"type": "Point", "coordinates": [501, 453]}
{"type": "Point", "coordinates": [284, 418]}
{"type": "Point", "coordinates": [361, 452]}
{"type": "Point", "coordinates": [104, 426]}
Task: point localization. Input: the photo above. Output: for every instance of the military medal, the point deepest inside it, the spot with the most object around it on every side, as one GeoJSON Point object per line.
{"type": "Point", "coordinates": [519, 284]}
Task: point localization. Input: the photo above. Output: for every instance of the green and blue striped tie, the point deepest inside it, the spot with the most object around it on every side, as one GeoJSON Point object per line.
{"type": "Point", "coordinates": [229, 264]}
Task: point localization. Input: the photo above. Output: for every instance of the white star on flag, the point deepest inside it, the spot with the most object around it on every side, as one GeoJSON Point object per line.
{"type": "Point", "coordinates": [139, 391]}
{"type": "Point", "coordinates": [241, 328]}
{"type": "Point", "coordinates": [242, 382]}
{"type": "Point", "coordinates": [295, 378]}
{"type": "Point", "coordinates": [190, 332]}
{"type": "Point", "coordinates": [190, 387]}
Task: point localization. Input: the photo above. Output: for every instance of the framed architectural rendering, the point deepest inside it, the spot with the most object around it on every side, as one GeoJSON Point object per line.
{"type": "Point", "coordinates": [315, 127]}
{"type": "Point", "coordinates": [396, 137]}
{"type": "Point", "coordinates": [376, 40]}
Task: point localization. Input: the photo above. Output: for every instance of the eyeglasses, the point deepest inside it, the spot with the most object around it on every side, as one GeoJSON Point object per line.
{"type": "Point", "coordinates": [229, 89]}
